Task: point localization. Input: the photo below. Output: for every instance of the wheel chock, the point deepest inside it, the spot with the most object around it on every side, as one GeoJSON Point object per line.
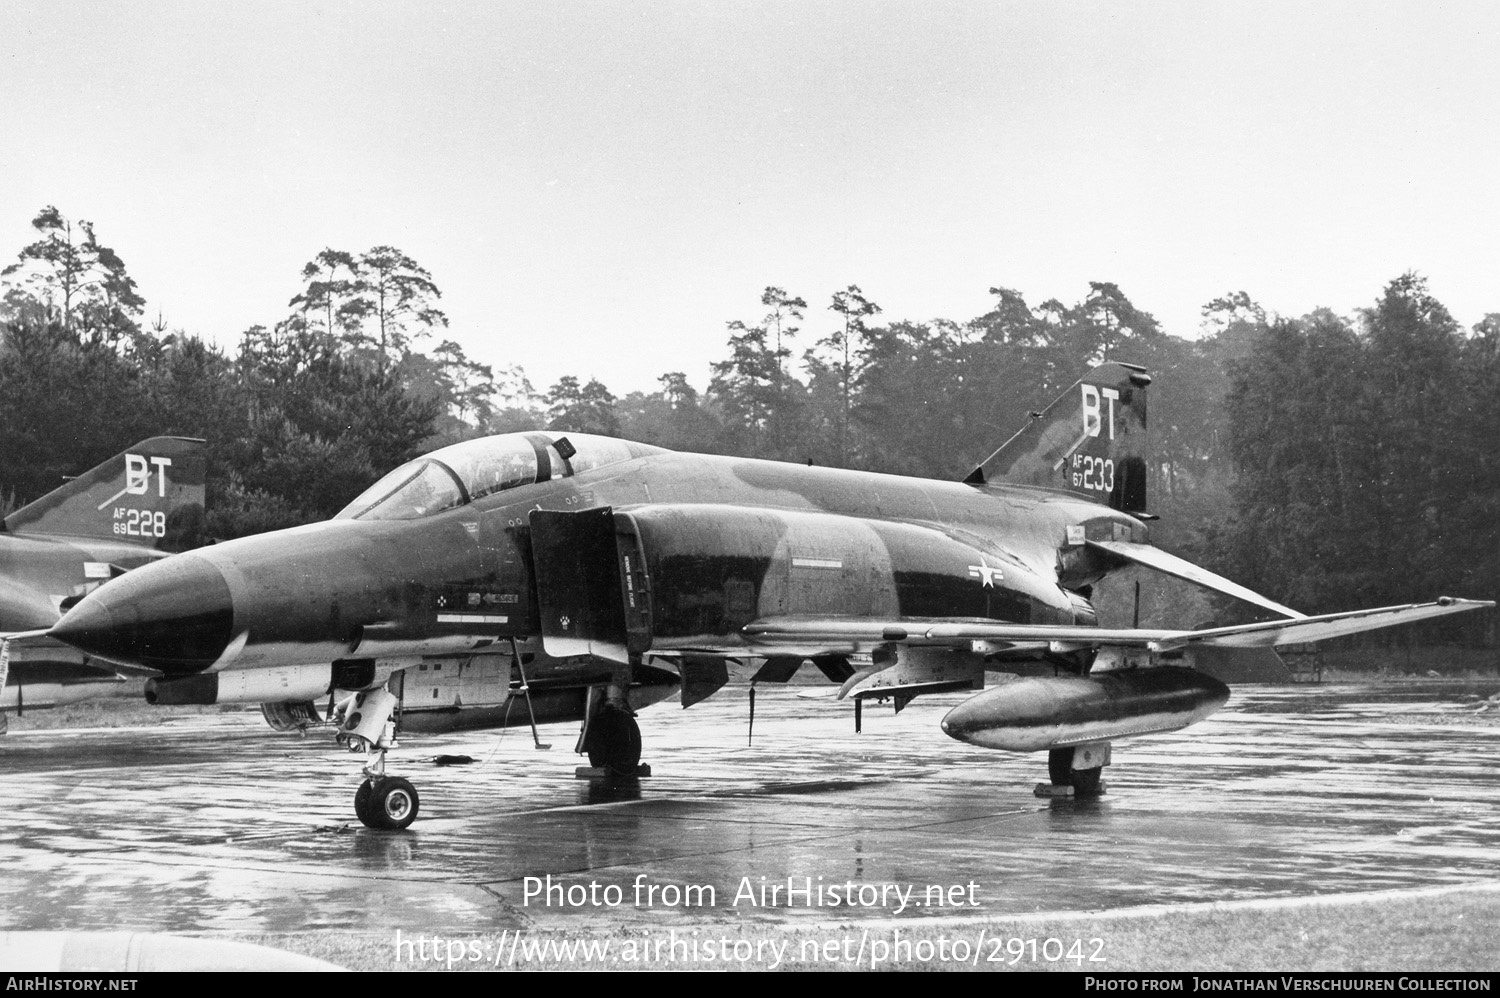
{"type": "Point", "coordinates": [1062, 790]}
{"type": "Point", "coordinates": [605, 773]}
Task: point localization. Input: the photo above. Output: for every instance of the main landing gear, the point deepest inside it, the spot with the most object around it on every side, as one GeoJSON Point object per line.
{"type": "Point", "coordinates": [612, 739]}
{"type": "Point", "coordinates": [1075, 772]}
{"type": "Point", "coordinates": [385, 802]}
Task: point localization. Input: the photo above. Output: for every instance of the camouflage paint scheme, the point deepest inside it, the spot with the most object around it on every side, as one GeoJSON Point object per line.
{"type": "Point", "coordinates": [725, 541]}
{"type": "Point", "coordinates": [586, 573]}
{"type": "Point", "coordinates": [139, 506]}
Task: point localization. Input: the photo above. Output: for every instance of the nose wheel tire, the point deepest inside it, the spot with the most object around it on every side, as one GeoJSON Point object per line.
{"type": "Point", "coordinates": [389, 804]}
{"type": "Point", "coordinates": [362, 804]}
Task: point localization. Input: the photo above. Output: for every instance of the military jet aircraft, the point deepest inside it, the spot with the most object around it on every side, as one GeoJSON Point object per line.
{"type": "Point", "coordinates": [137, 507]}
{"type": "Point", "coordinates": [547, 576]}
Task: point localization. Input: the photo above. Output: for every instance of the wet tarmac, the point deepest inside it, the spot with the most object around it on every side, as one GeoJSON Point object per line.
{"type": "Point", "coordinates": [213, 823]}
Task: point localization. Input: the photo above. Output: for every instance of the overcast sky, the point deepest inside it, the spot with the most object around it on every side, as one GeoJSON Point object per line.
{"type": "Point", "coordinates": [598, 187]}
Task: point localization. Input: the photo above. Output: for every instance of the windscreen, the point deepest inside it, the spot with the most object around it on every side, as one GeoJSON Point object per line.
{"type": "Point", "coordinates": [413, 490]}
{"type": "Point", "coordinates": [473, 469]}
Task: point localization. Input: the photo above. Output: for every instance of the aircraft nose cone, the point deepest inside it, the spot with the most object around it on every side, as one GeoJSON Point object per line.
{"type": "Point", "coordinates": [174, 615]}
{"type": "Point", "coordinates": [88, 625]}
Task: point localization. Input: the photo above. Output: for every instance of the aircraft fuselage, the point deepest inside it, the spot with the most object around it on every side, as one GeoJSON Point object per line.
{"type": "Point", "coordinates": [724, 541]}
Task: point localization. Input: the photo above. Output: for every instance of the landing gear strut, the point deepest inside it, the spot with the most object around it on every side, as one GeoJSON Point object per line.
{"type": "Point", "coordinates": [389, 803]}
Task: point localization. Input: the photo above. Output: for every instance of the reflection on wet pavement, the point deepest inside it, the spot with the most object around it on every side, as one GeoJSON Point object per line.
{"type": "Point", "coordinates": [215, 823]}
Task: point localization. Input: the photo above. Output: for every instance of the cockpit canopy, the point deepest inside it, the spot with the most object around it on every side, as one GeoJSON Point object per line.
{"type": "Point", "coordinates": [461, 473]}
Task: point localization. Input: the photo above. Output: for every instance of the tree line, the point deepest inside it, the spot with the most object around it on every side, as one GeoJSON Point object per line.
{"type": "Point", "coordinates": [1331, 462]}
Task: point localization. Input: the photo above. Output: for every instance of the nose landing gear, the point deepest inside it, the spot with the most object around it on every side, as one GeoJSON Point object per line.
{"type": "Point", "coordinates": [389, 803]}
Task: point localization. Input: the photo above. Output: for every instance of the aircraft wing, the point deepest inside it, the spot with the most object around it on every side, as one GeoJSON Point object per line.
{"type": "Point", "coordinates": [863, 634]}
{"type": "Point", "coordinates": [1278, 633]}
{"type": "Point", "coordinates": [809, 635]}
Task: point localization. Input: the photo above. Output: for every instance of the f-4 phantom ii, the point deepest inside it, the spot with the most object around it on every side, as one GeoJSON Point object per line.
{"type": "Point", "coordinates": [135, 508]}
{"type": "Point", "coordinates": [547, 576]}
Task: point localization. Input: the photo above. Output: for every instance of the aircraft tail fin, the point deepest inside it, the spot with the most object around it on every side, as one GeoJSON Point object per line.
{"type": "Point", "coordinates": [151, 495]}
{"type": "Point", "coordinates": [1090, 441]}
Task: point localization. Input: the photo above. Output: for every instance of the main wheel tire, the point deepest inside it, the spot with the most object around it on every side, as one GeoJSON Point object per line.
{"type": "Point", "coordinates": [1085, 782]}
{"type": "Point", "coordinates": [393, 804]}
{"type": "Point", "coordinates": [362, 804]}
{"type": "Point", "coordinates": [1060, 767]}
{"type": "Point", "coordinates": [614, 741]}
